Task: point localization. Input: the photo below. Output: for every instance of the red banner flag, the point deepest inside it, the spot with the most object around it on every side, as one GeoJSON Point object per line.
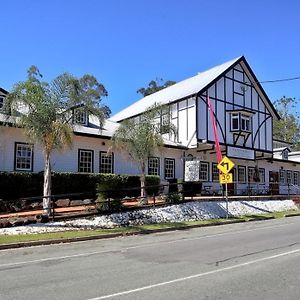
{"type": "Point", "coordinates": [213, 120]}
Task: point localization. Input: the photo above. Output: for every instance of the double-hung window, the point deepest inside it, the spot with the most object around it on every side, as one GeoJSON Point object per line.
{"type": "Point", "coordinates": [241, 174]}
{"type": "Point", "coordinates": [204, 171]}
{"type": "Point", "coordinates": [169, 168]}
{"type": "Point", "coordinates": [85, 161]}
{"type": "Point", "coordinates": [23, 157]}
{"type": "Point", "coordinates": [288, 177]}
{"type": "Point", "coordinates": [296, 178]}
{"type": "Point", "coordinates": [282, 177]}
{"type": "Point", "coordinates": [153, 166]}
{"type": "Point", "coordinates": [215, 172]}
{"type": "Point", "coordinates": [106, 164]}
{"type": "Point", "coordinates": [262, 175]}
{"type": "Point", "coordinates": [251, 172]}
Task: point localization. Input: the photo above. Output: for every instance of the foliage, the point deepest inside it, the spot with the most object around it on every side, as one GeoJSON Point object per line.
{"type": "Point", "coordinates": [45, 111]}
{"type": "Point", "coordinates": [143, 138]}
{"type": "Point", "coordinates": [288, 128]}
{"type": "Point", "coordinates": [30, 184]}
{"type": "Point", "coordinates": [154, 86]}
{"type": "Point", "coordinates": [108, 204]}
{"type": "Point", "coordinates": [14, 185]}
{"type": "Point", "coordinates": [173, 198]}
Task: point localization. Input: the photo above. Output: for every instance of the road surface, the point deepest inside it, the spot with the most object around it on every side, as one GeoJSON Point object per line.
{"type": "Point", "coordinates": [256, 260]}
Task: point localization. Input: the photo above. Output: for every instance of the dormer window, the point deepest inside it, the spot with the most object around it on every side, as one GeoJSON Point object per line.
{"type": "Point", "coordinates": [80, 117]}
{"type": "Point", "coordinates": [240, 121]}
{"type": "Point", "coordinates": [285, 154]}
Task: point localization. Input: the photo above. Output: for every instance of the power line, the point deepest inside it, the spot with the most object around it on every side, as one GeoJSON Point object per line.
{"type": "Point", "coordinates": [280, 80]}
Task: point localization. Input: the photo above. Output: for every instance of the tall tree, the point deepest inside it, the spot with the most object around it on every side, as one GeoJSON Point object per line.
{"type": "Point", "coordinates": [141, 139]}
{"type": "Point", "coordinates": [45, 111]}
{"type": "Point", "coordinates": [288, 128]}
{"type": "Point", "coordinates": [154, 86]}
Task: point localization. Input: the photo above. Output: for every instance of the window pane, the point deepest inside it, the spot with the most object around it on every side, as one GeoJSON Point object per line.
{"type": "Point", "coordinates": [85, 161]}
{"type": "Point", "coordinates": [235, 122]}
{"type": "Point", "coordinates": [241, 174]}
{"type": "Point", "coordinates": [80, 117]}
{"type": "Point", "coordinates": [250, 174]}
{"type": "Point", "coordinates": [215, 172]}
{"type": "Point", "coordinates": [261, 175]}
{"type": "Point", "coordinates": [23, 157]}
{"type": "Point", "coordinates": [204, 171]}
{"type": "Point", "coordinates": [169, 168]}
{"type": "Point", "coordinates": [106, 163]}
{"type": "Point", "coordinates": [282, 176]}
{"type": "Point", "coordinates": [153, 166]}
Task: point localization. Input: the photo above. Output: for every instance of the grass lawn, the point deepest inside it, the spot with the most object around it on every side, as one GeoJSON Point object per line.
{"type": "Point", "coordinates": [7, 239]}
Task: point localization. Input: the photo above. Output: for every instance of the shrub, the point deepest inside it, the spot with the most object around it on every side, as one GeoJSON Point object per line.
{"type": "Point", "coordinates": [14, 185]}
{"type": "Point", "coordinates": [152, 181]}
{"type": "Point", "coordinates": [173, 198]}
{"type": "Point", "coordinates": [108, 205]}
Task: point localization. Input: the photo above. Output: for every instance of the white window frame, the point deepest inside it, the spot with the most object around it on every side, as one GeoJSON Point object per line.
{"type": "Point", "coordinates": [241, 176]}
{"type": "Point", "coordinates": [296, 178]}
{"type": "Point", "coordinates": [282, 176]}
{"type": "Point", "coordinates": [204, 171]}
{"type": "Point", "coordinates": [235, 116]}
{"type": "Point", "coordinates": [262, 175]}
{"type": "Point", "coordinates": [106, 163]}
{"type": "Point", "coordinates": [285, 154]}
{"type": "Point", "coordinates": [250, 177]}
{"type": "Point", "coordinates": [215, 173]}
{"type": "Point", "coordinates": [23, 157]}
{"type": "Point", "coordinates": [80, 117]}
{"type": "Point", "coordinates": [245, 123]}
{"type": "Point", "coordinates": [169, 164]}
{"type": "Point", "coordinates": [288, 176]}
{"type": "Point", "coordinates": [85, 161]}
{"type": "Point", "coordinates": [154, 166]}
{"type": "Point", "coordinates": [242, 122]}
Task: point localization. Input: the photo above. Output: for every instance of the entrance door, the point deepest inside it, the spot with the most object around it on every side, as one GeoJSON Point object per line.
{"type": "Point", "coordinates": [274, 182]}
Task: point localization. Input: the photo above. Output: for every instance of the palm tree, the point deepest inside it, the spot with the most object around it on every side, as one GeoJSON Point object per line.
{"type": "Point", "coordinates": [45, 111]}
{"type": "Point", "coordinates": [141, 139]}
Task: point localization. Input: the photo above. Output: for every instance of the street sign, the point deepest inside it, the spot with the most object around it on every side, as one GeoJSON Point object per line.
{"type": "Point", "coordinates": [225, 165]}
{"type": "Point", "coordinates": [226, 178]}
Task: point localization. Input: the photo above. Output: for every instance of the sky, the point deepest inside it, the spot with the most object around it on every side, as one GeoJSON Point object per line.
{"type": "Point", "coordinates": [125, 44]}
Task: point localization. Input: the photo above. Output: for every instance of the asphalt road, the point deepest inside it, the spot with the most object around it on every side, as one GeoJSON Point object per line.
{"type": "Point", "coordinates": [257, 260]}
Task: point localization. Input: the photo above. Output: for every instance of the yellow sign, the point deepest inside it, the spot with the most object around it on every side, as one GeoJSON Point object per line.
{"type": "Point", "coordinates": [225, 165]}
{"type": "Point", "coordinates": [226, 178]}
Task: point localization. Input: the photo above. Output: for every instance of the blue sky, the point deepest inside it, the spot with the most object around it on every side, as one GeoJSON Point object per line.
{"type": "Point", "coordinates": [127, 43]}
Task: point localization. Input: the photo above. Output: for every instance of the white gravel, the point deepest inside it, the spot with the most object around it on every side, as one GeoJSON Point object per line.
{"type": "Point", "coordinates": [190, 211]}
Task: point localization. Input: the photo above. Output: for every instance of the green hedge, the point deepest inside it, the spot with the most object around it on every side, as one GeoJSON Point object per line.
{"type": "Point", "coordinates": [116, 186]}
{"type": "Point", "coordinates": [15, 185]}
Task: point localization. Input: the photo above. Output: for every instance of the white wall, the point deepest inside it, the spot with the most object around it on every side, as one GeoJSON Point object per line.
{"type": "Point", "coordinates": [68, 161]}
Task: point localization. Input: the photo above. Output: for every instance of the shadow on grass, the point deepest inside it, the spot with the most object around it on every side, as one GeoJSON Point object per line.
{"type": "Point", "coordinates": [260, 217]}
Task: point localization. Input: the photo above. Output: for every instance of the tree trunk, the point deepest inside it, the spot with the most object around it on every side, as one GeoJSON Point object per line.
{"type": "Point", "coordinates": [143, 179]}
{"type": "Point", "coordinates": [47, 186]}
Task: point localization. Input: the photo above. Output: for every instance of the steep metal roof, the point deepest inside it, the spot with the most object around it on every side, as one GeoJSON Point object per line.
{"type": "Point", "coordinates": [177, 91]}
{"type": "Point", "coordinates": [185, 88]}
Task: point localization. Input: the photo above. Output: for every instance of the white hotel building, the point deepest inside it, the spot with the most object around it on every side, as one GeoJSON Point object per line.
{"type": "Point", "coordinates": [244, 116]}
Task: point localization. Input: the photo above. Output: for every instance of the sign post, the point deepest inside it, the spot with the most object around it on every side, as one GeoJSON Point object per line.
{"type": "Point", "coordinates": [225, 167]}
